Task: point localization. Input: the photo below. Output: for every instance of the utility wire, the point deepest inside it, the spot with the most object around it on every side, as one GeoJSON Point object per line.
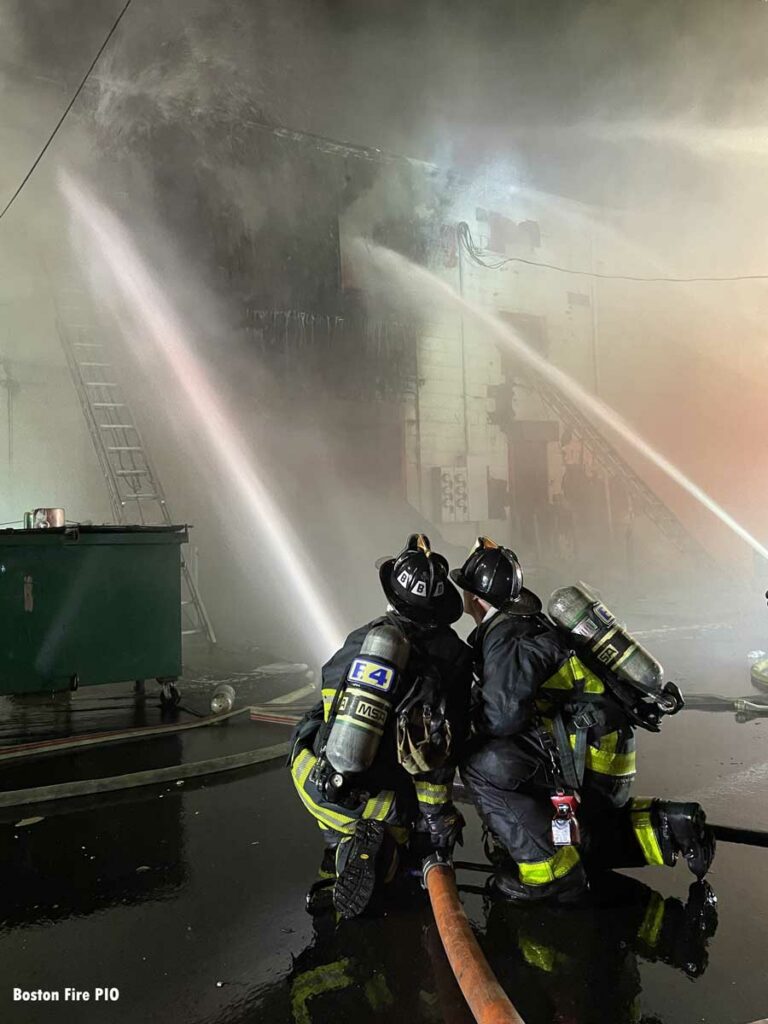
{"type": "Point", "coordinates": [67, 109]}
{"type": "Point", "coordinates": [480, 257]}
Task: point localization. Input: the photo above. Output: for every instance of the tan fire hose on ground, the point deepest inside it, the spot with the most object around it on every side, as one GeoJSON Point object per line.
{"type": "Point", "coordinates": [485, 997]}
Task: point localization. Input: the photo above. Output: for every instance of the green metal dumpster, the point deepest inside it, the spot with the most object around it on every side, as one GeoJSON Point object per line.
{"type": "Point", "coordinates": [82, 605]}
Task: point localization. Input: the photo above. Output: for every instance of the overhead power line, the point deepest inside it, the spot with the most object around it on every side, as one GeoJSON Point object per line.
{"type": "Point", "coordinates": [483, 259]}
{"type": "Point", "coordinates": [67, 109]}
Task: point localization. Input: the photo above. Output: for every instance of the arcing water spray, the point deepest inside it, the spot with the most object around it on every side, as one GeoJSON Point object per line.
{"type": "Point", "coordinates": [416, 280]}
{"type": "Point", "coordinates": [112, 247]}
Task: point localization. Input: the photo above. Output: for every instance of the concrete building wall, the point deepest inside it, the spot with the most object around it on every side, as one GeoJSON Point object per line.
{"type": "Point", "coordinates": [470, 386]}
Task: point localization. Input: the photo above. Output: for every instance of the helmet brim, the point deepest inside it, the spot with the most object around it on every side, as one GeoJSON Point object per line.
{"type": "Point", "coordinates": [462, 582]}
{"type": "Point", "coordinates": [444, 610]}
{"type": "Point", "coordinates": [526, 604]}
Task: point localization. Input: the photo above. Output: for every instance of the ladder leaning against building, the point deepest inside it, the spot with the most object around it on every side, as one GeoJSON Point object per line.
{"type": "Point", "coordinates": [135, 491]}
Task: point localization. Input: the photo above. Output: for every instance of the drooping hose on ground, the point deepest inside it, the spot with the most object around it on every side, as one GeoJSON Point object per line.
{"type": "Point", "coordinates": [132, 780]}
{"type": "Point", "coordinates": [485, 997]}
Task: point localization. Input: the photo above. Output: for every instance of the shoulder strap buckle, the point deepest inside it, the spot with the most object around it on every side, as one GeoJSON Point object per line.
{"type": "Point", "coordinates": [584, 719]}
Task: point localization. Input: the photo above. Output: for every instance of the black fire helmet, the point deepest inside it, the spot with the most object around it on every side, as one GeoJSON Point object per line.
{"type": "Point", "coordinates": [494, 573]}
{"type": "Point", "coordinates": [417, 585]}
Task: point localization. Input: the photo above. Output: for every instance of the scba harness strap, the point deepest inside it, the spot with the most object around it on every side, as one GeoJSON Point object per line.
{"type": "Point", "coordinates": [572, 753]}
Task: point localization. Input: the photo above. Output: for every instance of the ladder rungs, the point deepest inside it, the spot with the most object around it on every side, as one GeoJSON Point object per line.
{"type": "Point", "coordinates": [117, 426]}
{"type": "Point", "coordinates": [190, 632]}
{"type": "Point", "coordinates": [108, 405]}
{"type": "Point", "coordinates": [87, 344]}
{"type": "Point", "coordinates": [99, 384]}
{"type": "Point", "coordinates": [124, 448]}
{"type": "Point", "coordinates": [131, 472]}
{"type": "Point", "coordinates": [103, 365]}
{"type": "Point", "coordinates": [135, 497]}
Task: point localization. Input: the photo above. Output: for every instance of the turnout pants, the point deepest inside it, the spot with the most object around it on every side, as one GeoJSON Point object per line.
{"type": "Point", "coordinates": [510, 786]}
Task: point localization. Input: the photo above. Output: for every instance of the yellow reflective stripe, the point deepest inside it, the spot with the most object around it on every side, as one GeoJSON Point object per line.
{"type": "Point", "coordinates": [537, 955]}
{"type": "Point", "coordinates": [379, 806]}
{"type": "Point", "coordinates": [430, 793]}
{"type": "Point", "coordinates": [328, 697]}
{"type": "Point", "coordinates": [542, 871]}
{"type": "Point", "coordinates": [372, 808]}
{"type": "Point", "coordinates": [376, 988]}
{"type": "Point", "coordinates": [580, 672]}
{"type": "Point", "coordinates": [433, 801]}
{"type": "Point", "coordinates": [650, 929]}
{"type": "Point", "coordinates": [327, 978]}
{"type": "Point", "coordinates": [572, 671]}
{"type": "Point", "coordinates": [605, 761]}
{"type": "Point", "coordinates": [592, 683]}
{"type": "Point", "coordinates": [609, 741]}
{"type": "Point", "coordinates": [302, 765]}
{"type": "Point", "coordinates": [430, 787]}
{"type": "Point", "coordinates": [645, 832]}
{"type": "Point", "coordinates": [562, 679]}
{"type": "Point", "coordinates": [300, 770]}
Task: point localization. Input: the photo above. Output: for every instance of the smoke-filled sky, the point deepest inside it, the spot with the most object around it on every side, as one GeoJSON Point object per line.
{"type": "Point", "coordinates": [629, 105]}
{"type": "Point", "coordinates": [440, 79]}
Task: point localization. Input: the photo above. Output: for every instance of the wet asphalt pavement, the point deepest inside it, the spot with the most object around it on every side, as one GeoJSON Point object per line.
{"type": "Point", "coordinates": [189, 899]}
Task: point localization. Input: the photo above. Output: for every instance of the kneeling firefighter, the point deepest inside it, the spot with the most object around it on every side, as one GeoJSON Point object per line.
{"type": "Point", "coordinates": [374, 761]}
{"type": "Point", "coordinates": [551, 761]}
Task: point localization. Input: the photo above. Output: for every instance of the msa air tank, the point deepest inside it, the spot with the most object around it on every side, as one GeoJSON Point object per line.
{"type": "Point", "coordinates": [369, 695]}
{"type": "Point", "coordinates": [593, 626]}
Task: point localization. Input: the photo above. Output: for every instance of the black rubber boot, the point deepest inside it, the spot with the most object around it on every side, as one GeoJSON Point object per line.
{"type": "Point", "coordinates": [571, 888]}
{"type": "Point", "coordinates": [356, 867]}
{"type": "Point", "coordinates": [682, 828]}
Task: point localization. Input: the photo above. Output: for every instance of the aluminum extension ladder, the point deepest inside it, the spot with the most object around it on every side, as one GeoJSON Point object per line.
{"type": "Point", "coordinates": [135, 491]}
{"type": "Point", "coordinates": [641, 495]}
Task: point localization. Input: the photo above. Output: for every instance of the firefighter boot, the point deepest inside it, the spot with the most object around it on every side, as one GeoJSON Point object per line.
{"type": "Point", "coordinates": [682, 828]}
{"type": "Point", "coordinates": [356, 864]}
{"type": "Point", "coordinates": [570, 888]}
{"type": "Point", "coordinates": [319, 898]}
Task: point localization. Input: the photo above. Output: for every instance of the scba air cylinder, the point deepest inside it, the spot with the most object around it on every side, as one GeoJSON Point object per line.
{"type": "Point", "coordinates": [594, 626]}
{"type": "Point", "coordinates": [368, 698]}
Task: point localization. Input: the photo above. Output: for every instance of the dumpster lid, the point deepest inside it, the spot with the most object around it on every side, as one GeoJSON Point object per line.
{"type": "Point", "coordinates": [104, 528]}
{"type": "Point", "coordinates": [75, 534]}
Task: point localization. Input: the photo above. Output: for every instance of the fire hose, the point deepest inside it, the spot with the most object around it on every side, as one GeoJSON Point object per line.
{"type": "Point", "coordinates": [485, 997]}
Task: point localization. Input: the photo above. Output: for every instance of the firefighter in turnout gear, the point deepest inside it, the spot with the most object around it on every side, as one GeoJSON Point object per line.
{"type": "Point", "coordinates": [551, 760]}
{"type": "Point", "coordinates": [374, 760]}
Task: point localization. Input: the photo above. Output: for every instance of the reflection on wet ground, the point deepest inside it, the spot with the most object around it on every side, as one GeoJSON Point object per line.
{"type": "Point", "coordinates": [190, 899]}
